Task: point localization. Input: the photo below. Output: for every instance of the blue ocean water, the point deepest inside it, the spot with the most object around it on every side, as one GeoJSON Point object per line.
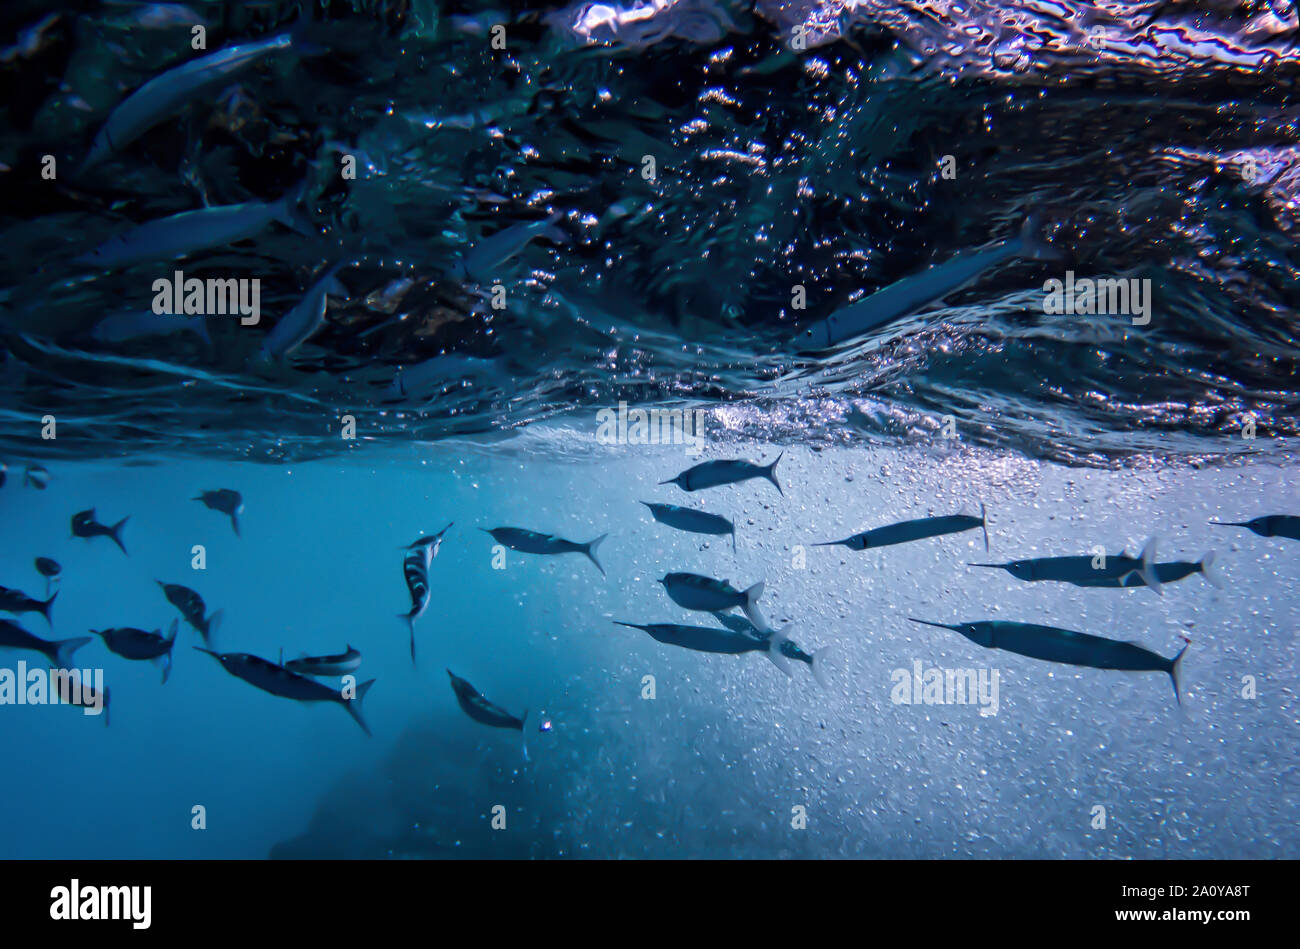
{"type": "Point", "coordinates": [1038, 260]}
{"type": "Point", "coordinates": [715, 762]}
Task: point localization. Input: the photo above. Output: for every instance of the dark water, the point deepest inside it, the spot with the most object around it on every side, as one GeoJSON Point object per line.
{"type": "Point", "coordinates": [707, 183]}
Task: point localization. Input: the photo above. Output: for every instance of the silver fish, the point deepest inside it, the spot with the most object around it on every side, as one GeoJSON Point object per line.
{"type": "Point", "coordinates": [491, 252]}
{"type": "Point", "coordinates": [163, 96]}
{"type": "Point", "coordinates": [191, 231]}
{"type": "Point", "coordinates": [299, 324]}
{"type": "Point", "coordinates": [913, 293]}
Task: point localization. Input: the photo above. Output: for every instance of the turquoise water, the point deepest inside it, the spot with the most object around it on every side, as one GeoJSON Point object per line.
{"type": "Point", "coordinates": [714, 763]}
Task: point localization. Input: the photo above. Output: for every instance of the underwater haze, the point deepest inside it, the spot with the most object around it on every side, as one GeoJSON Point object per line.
{"type": "Point", "coordinates": [675, 429]}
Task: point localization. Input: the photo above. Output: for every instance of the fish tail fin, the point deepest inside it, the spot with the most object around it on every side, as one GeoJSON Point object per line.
{"type": "Point", "coordinates": [750, 607]}
{"type": "Point", "coordinates": [1148, 569]}
{"type": "Point", "coordinates": [774, 653]}
{"type": "Point", "coordinates": [1176, 671]}
{"type": "Point", "coordinates": [353, 705]}
{"type": "Point", "coordinates": [116, 532]}
{"type": "Point", "coordinates": [210, 625]}
{"type": "Point", "coordinates": [1209, 571]}
{"type": "Point", "coordinates": [589, 549]}
{"type": "Point", "coordinates": [46, 607]}
{"type": "Point", "coordinates": [1031, 239]}
{"type": "Point", "coordinates": [818, 667]}
{"type": "Point", "coordinates": [984, 523]}
{"type": "Point", "coordinates": [234, 522]}
{"type": "Point", "coordinates": [523, 734]}
{"type": "Point", "coordinates": [770, 474]}
{"type": "Point", "coordinates": [410, 624]}
{"type": "Point", "coordinates": [176, 625]}
{"type": "Point", "coordinates": [64, 649]}
{"type": "Point", "coordinates": [289, 212]}
{"type": "Point", "coordinates": [165, 661]}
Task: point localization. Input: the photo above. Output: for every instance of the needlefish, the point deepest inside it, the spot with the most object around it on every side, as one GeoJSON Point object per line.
{"type": "Point", "coordinates": [277, 680]}
{"type": "Point", "coordinates": [906, 531]}
{"type": "Point", "coordinates": [727, 641]}
{"type": "Point", "coordinates": [919, 290]}
{"type": "Point", "coordinates": [1270, 525]}
{"type": "Point", "coordinates": [1052, 644]}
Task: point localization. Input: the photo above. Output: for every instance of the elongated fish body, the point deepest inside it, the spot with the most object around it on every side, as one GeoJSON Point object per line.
{"type": "Point", "coordinates": [165, 94]}
{"type": "Point", "coordinates": [1119, 570]}
{"type": "Point", "coordinates": [226, 501]}
{"type": "Point", "coordinates": [191, 231]}
{"type": "Point", "coordinates": [277, 680]}
{"type": "Point", "coordinates": [727, 642]}
{"type": "Point", "coordinates": [84, 525]}
{"type": "Point", "coordinates": [337, 665]}
{"type": "Point", "coordinates": [919, 290]}
{"type": "Point", "coordinates": [192, 609]}
{"type": "Point", "coordinates": [481, 710]}
{"type": "Point", "coordinates": [140, 645]}
{"type": "Point", "coordinates": [907, 531]}
{"type": "Point", "coordinates": [694, 592]}
{"type": "Point", "coordinates": [689, 519]}
{"type": "Point", "coordinates": [493, 251]}
{"type": "Point", "coordinates": [1270, 525]}
{"type": "Point", "coordinates": [532, 542]}
{"type": "Point", "coordinates": [135, 324]}
{"type": "Point", "coordinates": [59, 651]}
{"type": "Point", "coordinates": [415, 569]}
{"type": "Point", "coordinates": [702, 638]}
{"type": "Point", "coordinates": [301, 323]}
{"type": "Point", "coordinates": [18, 602]}
{"type": "Point", "coordinates": [712, 474]}
{"type": "Point", "coordinates": [1052, 644]}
